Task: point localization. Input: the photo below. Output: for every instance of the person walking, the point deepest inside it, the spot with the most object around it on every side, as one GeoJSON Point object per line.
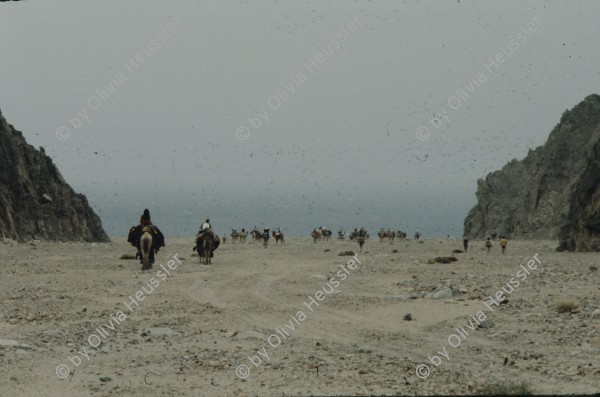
{"type": "Point", "coordinates": [488, 244]}
{"type": "Point", "coordinates": [503, 243]}
{"type": "Point", "coordinates": [466, 244]}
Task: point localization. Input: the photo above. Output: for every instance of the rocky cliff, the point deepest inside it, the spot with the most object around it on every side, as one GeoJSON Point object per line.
{"type": "Point", "coordinates": [553, 193]}
{"type": "Point", "coordinates": [35, 200]}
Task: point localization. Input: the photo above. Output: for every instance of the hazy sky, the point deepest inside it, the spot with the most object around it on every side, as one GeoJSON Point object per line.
{"type": "Point", "coordinates": [340, 89]}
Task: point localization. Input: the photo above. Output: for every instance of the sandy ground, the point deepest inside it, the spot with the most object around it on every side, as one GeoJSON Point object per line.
{"type": "Point", "coordinates": [189, 334]}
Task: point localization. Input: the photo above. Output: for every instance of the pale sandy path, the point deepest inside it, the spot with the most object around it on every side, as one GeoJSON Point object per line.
{"type": "Point", "coordinates": [223, 313]}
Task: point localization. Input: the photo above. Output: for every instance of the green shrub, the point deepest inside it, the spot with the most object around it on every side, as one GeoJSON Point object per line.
{"type": "Point", "coordinates": [566, 306]}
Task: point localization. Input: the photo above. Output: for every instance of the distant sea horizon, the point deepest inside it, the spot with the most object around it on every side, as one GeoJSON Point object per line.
{"type": "Point", "coordinates": [181, 217]}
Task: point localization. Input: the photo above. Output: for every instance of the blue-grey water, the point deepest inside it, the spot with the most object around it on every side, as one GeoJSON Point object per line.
{"type": "Point", "coordinates": [180, 215]}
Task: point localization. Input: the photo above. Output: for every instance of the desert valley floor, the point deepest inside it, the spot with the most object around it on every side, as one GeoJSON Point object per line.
{"type": "Point", "coordinates": [276, 318]}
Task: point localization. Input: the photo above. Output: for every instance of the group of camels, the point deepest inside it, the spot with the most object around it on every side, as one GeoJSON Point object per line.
{"type": "Point", "coordinates": [148, 240]}
{"type": "Point", "coordinates": [258, 236]}
{"type": "Point", "coordinates": [390, 234]}
{"type": "Point", "coordinates": [324, 233]}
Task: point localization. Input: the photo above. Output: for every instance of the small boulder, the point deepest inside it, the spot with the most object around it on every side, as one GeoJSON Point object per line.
{"type": "Point", "coordinates": [161, 331]}
{"type": "Point", "coordinates": [485, 324]}
{"type": "Point", "coordinates": [446, 259]}
{"type": "Point", "coordinates": [249, 335]}
{"type": "Point", "coordinates": [444, 294]}
{"type": "Point", "coordinates": [8, 343]}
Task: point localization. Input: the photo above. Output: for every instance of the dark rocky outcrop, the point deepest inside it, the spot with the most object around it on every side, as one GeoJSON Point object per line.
{"type": "Point", "coordinates": [553, 193]}
{"type": "Point", "coordinates": [35, 200]}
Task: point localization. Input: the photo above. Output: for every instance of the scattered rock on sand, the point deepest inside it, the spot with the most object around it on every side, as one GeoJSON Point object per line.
{"type": "Point", "coordinates": [486, 324]}
{"type": "Point", "coordinates": [161, 331]}
{"type": "Point", "coordinates": [8, 343]}
{"type": "Point", "coordinates": [249, 335]}
{"type": "Point", "coordinates": [445, 259]}
{"type": "Point", "coordinates": [445, 293]}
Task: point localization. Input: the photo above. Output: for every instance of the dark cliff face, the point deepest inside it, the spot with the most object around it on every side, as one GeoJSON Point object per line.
{"type": "Point", "coordinates": [35, 200]}
{"type": "Point", "coordinates": [553, 193]}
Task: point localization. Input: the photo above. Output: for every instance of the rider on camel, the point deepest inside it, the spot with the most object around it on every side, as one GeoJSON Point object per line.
{"type": "Point", "coordinates": [136, 232]}
{"type": "Point", "coordinates": [199, 247]}
{"type": "Point", "coordinates": [145, 218]}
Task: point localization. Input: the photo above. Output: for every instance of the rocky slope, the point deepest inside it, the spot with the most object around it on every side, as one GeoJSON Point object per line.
{"type": "Point", "coordinates": [553, 193]}
{"type": "Point", "coordinates": [35, 200]}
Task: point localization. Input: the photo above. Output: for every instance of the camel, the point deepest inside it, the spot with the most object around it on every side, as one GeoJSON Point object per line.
{"type": "Point", "coordinates": [316, 235]}
{"type": "Point", "coordinates": [361, 241]}
{"type": "Point", "coordinates": [341, 233]}
{"type": "Point", "coordinates": [146, 248]}
{"type": "Point", "coordinates": [242, 236]}
{"type": "Point", "coordinates": [362, 236]}
{"type": "Point", "coordinates": [256, 235]}
{"type": "Point", "coordinates": [391, 234]}
{"type": "Point", "coordinates": [265, 237]}
{"type": "Point", "coordinates": [156, 241]}
{"type": "Point", "coordinates": [204, 245]}
{"type": "Point", "coordinates": [278, 236]}
{"type": "Point", "coordinates": [234, 235]}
